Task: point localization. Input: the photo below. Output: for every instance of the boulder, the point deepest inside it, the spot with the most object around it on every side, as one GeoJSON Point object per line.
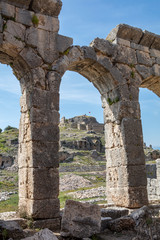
{"type": "Point", "coordinates": [80, 220]}
{"type": "Point", "coordinates": [44, 234]}
{"type": "Point", "coordinates": [11, 229]}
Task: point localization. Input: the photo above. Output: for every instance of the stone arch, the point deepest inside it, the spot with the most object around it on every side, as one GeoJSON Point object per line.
{"type": "Point", "coordinates": [117, 66]}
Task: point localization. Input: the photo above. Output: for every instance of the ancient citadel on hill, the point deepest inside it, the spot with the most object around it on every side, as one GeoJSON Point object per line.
{"type": "Point", "coordinates": [118, 66]}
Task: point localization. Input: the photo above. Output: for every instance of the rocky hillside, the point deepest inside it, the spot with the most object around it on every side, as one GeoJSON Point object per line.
{"type": "Point", "coordinates": [81, 144]}
{"type": "Point", "coordinates": [82, 162]}
{"type": "Point", "coordinates": [8, 146]}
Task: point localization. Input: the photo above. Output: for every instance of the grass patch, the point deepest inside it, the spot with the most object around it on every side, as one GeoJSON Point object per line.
{"type": "Point", "coordinates": [63, 197]}
{"type": "Point", "coordinates": [7, 186]}
{"type": "Point", "coordinates": [10, 204]}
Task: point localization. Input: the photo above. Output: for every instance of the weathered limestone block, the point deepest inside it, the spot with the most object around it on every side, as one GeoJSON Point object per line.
{"type": "Point", "coordinates": [7, 10]}
{"type": "Point", "coordinates": [156, 70]}
{"type": "Point", "coordinates": [1, 40]}
{"type": "Point", "coordinates": [44, 132]}
{"type": "Point", "coordinates": [126, 155]}
{"type": "Point", "coordinates": [156, 43]}
{"type": "Point", "coordinates": [106, 63]}
{"type": "Point", "coordinates": [52, 224]}
{"type": "Point", "coordinates": [42, 183]}
{"type": "Point", "coordinates": [38, 154]}
{"type": "Point", "coordinates": [53, 80]}
{"type": "Point", "coordinates": [48, 23]}
{"type": "Point", "coordinates": [39, 81]}
{"type": "Point", "coordinates": [31, 57]}
{"type": "Point", "coordinates": [14, 37]}
{"type": "Point", "coordinates": [44, 41]}
{"type": "Point", "coordinates": [63, 43]}
{"type": "Point", "coordinates": [114, 212]}
{"type": "Point", "coordinates": [158, 60]}
{"type": "Point", "coordinates": [140, 180]}
{"type": "Point", "coordinates": [127, 32]}
{"type": "Point", "coordinates": [74, 55]}
{"type": "Point", "coordinates": [19, 3]}
{"type": "Point", "coordinates": [1, 23]}
{"type": "Point", "coordinates": [155, 53]}
{"type": "Point", "coordinates": [123, 176]}
{"type": "Point", "coordinates": [104, 224]}
{"type": "Point", "coordinates": [120, 224]}
{"type": "Point", "coordinates": [117, 196]}
{"type": "Point", "coordinates": [125, 55]}
{"type": "Point", "coordinates": [113, 135]}
{"type": "Point", "coordinates": [125, 70]}
{"type": "Point", "coordinates": [144, 71]}
{"type": "Point", "coordinates": [147, 39]}
{"type": "Point", "coordinates": [132, 132]}
{"type": "Point", "coordinates": [12, 228]}
{"type": "Point", "coordinates": [132, 197]}
{"type": "Point", "coordinates": [48, 7]}
{"type": "Point", "coordinates": [140, 47]}
{"type": "Point", "coordinates": [24, 17]}
{"type": "Point", "coordinates": [61, 65]}
{"type": "Point", "coordinates": [40, 209]}
{"type": "Point", "coordinates": [144, 58]}
{"type": "Point", "coordinates": [119, 110]}
{"type": "Point", "coordinates": [42, 234]}
{"type": "Point", "coordinates": [138, 196]}
{"type": "Point", "coordinates": [48, 100]}
{"type": "Point", "coordinates": [117, 177]}
{"type": "Point", "coordinates": [123, 42]}
{"type": "Point", "coordinates": [47, 156]}
{"type": "Point", "coordinates": [103, 46]}
{"type": "Point", "coordinates": [41, 116]}
{"type": "Point", "coordinates": [80, 219]}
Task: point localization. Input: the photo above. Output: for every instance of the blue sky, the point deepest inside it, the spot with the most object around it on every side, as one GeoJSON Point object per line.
{"type": "Point", "coordinates": [84, 20]}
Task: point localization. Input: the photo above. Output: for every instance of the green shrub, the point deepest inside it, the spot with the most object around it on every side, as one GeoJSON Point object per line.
{"type": "Point", "coordinates": [35, 20]}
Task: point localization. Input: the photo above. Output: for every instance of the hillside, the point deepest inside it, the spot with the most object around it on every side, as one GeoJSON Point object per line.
{"type": "Point", "coordinates": [82, 162]}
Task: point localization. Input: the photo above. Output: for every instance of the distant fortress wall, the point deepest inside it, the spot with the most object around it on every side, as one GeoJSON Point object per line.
{"type": "Point", "coordinates": [83, 123]}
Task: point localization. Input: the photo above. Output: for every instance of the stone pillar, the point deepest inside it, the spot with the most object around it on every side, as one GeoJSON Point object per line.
{"type": "Point", "coordinates": [126, 174]}
{"type": "Point", "coordinates": [38, 152]}
{"type": "Point", "coordinates": [158, 177]}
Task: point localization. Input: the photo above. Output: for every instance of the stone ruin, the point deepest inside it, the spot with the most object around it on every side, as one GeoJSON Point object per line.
{"type": "Point", "coordinates": [83, 122]}
{"type": "Point", "coordinates": [117, 66]}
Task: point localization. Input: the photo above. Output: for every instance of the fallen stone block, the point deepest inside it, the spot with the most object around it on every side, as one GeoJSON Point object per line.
{"type": "Point", "coordinates": [104, 222]}
{"type": "Point", "coordinates": [44, 234]}
{"type": "Point", "coordinates": [114, 213]}
{"type": "Point", "coordinates": [120, 224]}
{"type": "Point", "coordinates": [11, 229]}
{"type": "Point", "coordinates": [80, 220]}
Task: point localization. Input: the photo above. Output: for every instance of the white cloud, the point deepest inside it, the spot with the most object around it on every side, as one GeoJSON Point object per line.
{"type": "Point", "coordinates": [81, 97]}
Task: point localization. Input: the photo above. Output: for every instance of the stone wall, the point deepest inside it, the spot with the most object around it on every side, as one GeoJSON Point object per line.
{"type": "Point", "coordinates": [89, 143]}
{"type": "Point", "coordinates": [153, 181]}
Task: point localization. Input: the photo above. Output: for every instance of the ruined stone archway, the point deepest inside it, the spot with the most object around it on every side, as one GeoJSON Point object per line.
{"type": "Point", "coordinates": [39, 56]}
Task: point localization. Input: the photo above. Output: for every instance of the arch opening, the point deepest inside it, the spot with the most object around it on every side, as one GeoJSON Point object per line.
{"type": "Point", "coordinates": [9, 124]}
{"type": "Point", "coordinates": [82, 150]}
{"type": "Point", "coordinates": [150, 113]}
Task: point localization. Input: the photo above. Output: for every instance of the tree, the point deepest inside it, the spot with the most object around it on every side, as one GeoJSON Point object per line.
{"type": "Point", "coordinates": [9, 128]}
{"type": "Point", "coordinates": [0, 130]}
